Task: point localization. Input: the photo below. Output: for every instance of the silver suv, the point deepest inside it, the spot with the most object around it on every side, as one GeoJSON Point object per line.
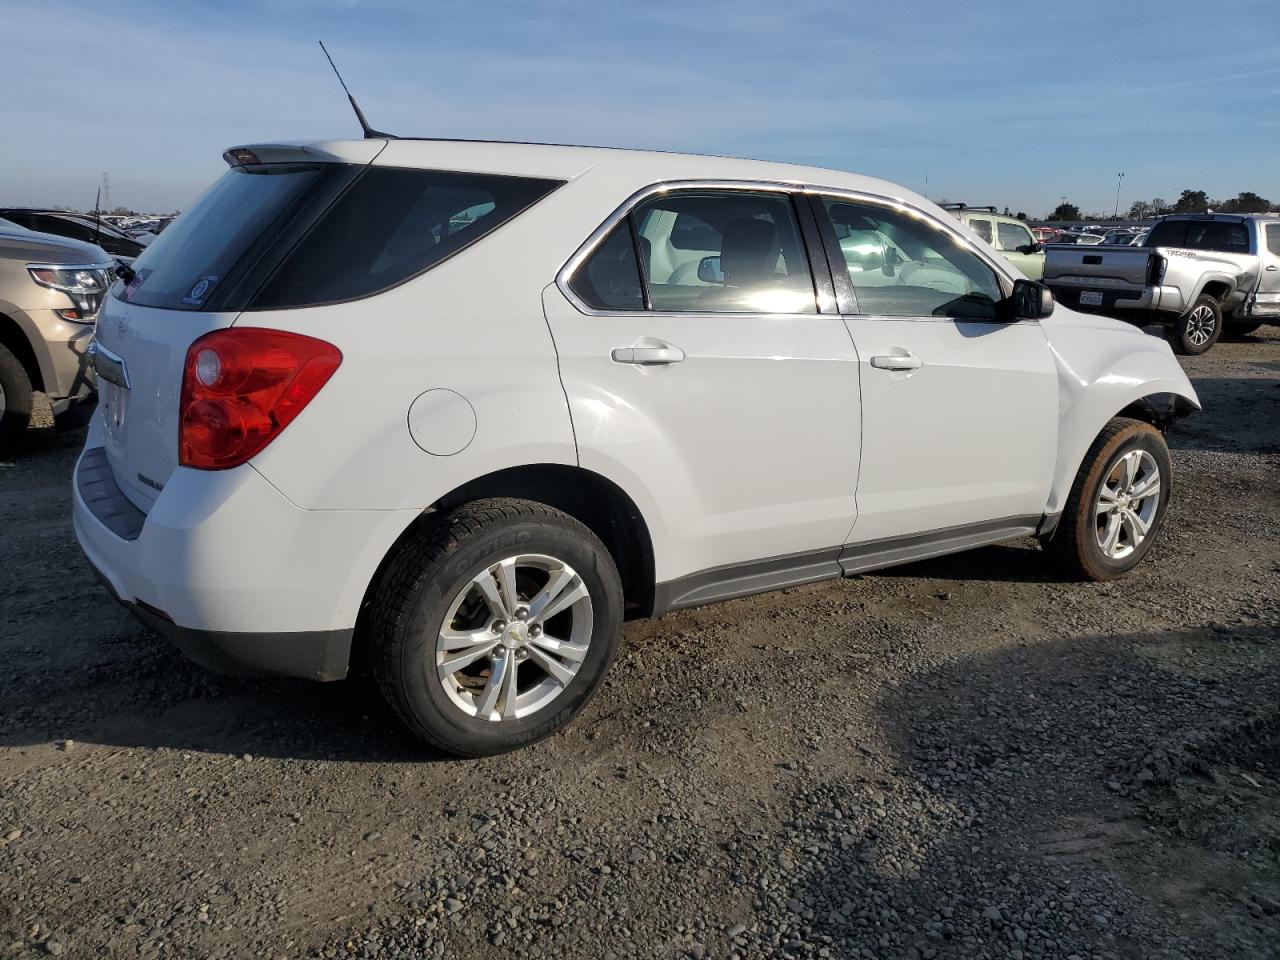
{"type": "Point", "coordinates": [50, 291]}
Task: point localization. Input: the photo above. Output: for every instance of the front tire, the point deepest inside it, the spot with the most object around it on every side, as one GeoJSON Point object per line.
{"type": "Point", "coordinates": [1198, 329]}
{"type": "Point", "coordinates": [1117, 503]}
{"type": "Point", "coordinates": [15, 399]}
{"type": "Point", "coordinates": [494, 625]}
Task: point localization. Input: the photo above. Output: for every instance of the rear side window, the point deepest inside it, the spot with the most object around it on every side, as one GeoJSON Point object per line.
{"type": "Point", "coordinates": [610, 279]}
{"type": "Point", "coordinates": [292, 235]}
{"type": "Point", "coordinates": [393, 224]}
{"type": "Point", "coordinates": [982, 228]}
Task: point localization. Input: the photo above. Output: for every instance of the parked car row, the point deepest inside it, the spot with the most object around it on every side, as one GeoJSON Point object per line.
{"type": "Point", "coordinates": [79, 227]}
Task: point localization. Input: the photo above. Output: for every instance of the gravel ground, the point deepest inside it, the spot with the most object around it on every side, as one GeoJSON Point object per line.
{"type": "Point", "coordinates": [959, 758]}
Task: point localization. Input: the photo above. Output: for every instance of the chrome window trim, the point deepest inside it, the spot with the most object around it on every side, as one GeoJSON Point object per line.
{"type": "Point", "coordinates": [588, 247]}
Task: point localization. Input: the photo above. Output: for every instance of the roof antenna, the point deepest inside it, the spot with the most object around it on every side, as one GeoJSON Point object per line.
{"type": "Point", "coordinates": [369, 132]}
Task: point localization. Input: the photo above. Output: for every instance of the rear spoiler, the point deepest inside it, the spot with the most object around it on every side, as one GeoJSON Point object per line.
{"type": "Point", "coordinates": [324, 151]}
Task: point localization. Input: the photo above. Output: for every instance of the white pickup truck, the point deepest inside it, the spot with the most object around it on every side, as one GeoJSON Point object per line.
{"type": "Point", "coordinates": [1199, 275]}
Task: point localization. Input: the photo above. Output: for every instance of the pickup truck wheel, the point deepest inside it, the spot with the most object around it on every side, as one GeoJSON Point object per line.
{"type": "Point", "coordinates": [1199, 328]}
{"type": "Point", "coordinates": [494, 625]}
{"type": "Point", "coordinates": [15, 399]}
{"type": "Point", "coordinates": [1117, 503]}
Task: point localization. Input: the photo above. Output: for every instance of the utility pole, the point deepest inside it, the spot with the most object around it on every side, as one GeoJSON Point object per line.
{"type": "Point", "coordinates": [1119, 180]}
{"type": "Point", "coordinates": [106, 193]}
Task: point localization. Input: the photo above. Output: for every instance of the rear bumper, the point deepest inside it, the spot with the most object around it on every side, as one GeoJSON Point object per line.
{"type": "Point", "coordinates": [311, 655]}
{"type": "Point", "coordinates": [1153, 299]}
{"type": "Point", "coordinates": [240, 578]}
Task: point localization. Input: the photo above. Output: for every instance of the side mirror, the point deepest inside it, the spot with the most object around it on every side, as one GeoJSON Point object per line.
{"type": "Point", "coordinates": [891, 260]}
{"type": "Point", "coordinates": [1031, 248]}
{"type": "Point", "coordinates": [709, 270]}
{"type": "Point", "coordinates": [1030, 301]}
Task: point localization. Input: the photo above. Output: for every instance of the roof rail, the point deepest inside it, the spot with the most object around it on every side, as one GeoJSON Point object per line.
{"type": "Point", "coordinates": [965, 206]}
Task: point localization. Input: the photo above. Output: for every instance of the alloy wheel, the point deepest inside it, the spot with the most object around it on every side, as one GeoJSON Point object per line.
{"type": "Point", "coordinates": [1200, 325]}
{"type": "Point", "coordinates": [1127, 504]}
{"type": "Point", "coordinates": [514, 637]}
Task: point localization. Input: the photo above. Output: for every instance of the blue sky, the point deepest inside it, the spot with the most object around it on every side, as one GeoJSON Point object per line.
{"type": "Point", "coordinates": [1012, 104]}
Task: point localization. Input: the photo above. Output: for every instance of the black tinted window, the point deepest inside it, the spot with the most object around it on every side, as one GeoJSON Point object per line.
{"type": "Point", "coordinates": [610, 278]}
{"type": "Point", "coordinates": [1218, 235]}
{"type": "Point", "coordinates": [188, 265]}
{"type": "Point", "coordinates": [1168, 233]}
{"type": "Point", "coordinates": [393, 224]}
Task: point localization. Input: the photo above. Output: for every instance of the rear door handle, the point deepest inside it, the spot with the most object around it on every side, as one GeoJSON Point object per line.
{"type": "Point", "coordinates": [895, 361]}
{"type": "Point", "coordinates": [649, 352]}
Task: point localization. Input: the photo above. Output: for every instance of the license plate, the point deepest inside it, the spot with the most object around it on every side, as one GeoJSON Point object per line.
{"type": "Point", "coordinates": [1090, 298]}
{"type": "Point", "coordinates": [115, 401]}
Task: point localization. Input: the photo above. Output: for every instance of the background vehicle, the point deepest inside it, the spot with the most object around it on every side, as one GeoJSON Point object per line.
{"type": "Point", "coordinates": [549, 387]}
{"type": "Point", "coordinates": [1076, 237]}
{"type": "Point", "coordinates": [76, 227]}
{"type": "Point", "coordinates": [50, 291]}
{"type": "Point", "coordinates": [1196, 274]}
{"type": "Point", "coordinates": [1009, 235]}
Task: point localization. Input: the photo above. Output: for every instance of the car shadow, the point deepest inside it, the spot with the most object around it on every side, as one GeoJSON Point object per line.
{"type": "Point", "coordinates": [1020, 561]}
{"type": "Point", "coordinates": [1080, 797]}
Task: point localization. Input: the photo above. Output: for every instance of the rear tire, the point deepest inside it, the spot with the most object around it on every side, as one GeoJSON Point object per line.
{"type": "Point", "coordinates": [15, 399]}
{"type": "Point", "coordinates": [461, 644]}
{"type": "Point", "coordinates": [1198, 329]}
{"type": "Point", "coordinates": [1100, 534]}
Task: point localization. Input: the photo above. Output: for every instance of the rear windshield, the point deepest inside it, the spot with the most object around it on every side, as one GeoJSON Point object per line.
{"type": "Point", "coordinates": [1221, 235]}
{"type": "Point", "coordinates": [291, 235]}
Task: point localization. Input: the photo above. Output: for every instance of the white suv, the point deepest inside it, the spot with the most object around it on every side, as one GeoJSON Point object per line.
{"type": "Point", "coordinates": [470, 405]}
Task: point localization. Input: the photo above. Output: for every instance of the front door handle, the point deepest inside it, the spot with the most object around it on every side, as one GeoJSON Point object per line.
{"type": "Point", "coordinates": [649, 352]}
{"type": "Point", "coordinates": [897, 361]}
{"type": "Point", "coordinates": [1272, 268]}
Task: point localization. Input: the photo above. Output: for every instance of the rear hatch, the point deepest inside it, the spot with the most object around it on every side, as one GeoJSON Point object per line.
{"type": "Point", "coordinates": [1100, 266]}
{"type": "Point", "coordinates": [196, 277]}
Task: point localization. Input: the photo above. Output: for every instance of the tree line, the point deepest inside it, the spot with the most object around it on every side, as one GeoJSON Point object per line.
{"type": "Point", "coordinates": [1191, 201]}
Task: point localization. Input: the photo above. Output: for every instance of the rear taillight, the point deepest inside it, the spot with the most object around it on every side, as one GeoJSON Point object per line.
{"type": "Point", "coordinates": [1155, 270]}
{"type": "Point", "coordinates": [241, 387]}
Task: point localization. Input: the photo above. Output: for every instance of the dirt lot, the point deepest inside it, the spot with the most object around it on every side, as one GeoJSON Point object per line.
{"type": "Point", "coordinates": [959, 758]}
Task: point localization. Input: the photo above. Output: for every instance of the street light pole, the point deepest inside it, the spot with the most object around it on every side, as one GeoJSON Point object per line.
{"type": "Point", "coordinates": [1119, 180]}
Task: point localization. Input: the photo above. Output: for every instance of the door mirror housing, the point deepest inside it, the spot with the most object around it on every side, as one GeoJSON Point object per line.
{"type": "Point", "coordinates": [709, 270]}
{"type": "Point", "coordinates": [1030, 301]}
{"type": "Point", "coordinates": [1031, 248]}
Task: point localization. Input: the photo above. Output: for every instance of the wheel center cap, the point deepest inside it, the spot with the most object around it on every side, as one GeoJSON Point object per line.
{"type": "Point", "coordinates": [517, 634]}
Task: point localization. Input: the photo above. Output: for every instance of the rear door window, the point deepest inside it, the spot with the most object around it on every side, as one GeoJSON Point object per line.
{"type": "Point", "coordinates": [728, 251]}
{"type": "Point", "coordinates": [1273, 239]}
